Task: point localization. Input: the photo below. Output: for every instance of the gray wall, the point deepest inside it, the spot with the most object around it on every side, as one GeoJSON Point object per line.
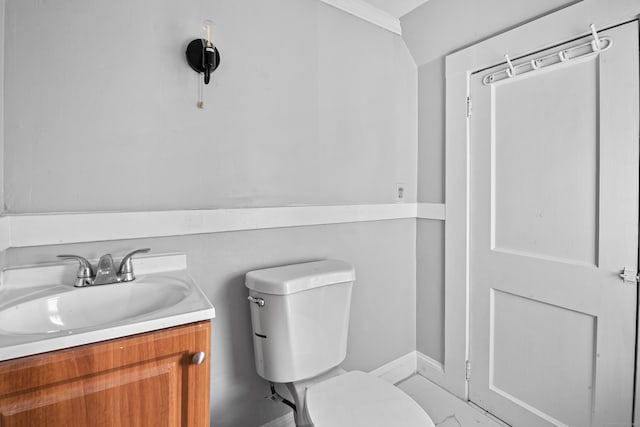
{"type": "Point", "coordinates": [432, 31]}
{"type": "Point", "coordinates": [310, 106]}
{"type": "Point", "coordinates": [430, 288]}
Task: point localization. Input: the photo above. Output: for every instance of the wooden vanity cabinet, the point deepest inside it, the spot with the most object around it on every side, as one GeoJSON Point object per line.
{"type": "Point", "coordinates": [146, 380]}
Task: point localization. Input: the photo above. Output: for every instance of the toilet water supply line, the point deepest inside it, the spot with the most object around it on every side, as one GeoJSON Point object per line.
{"type": "Point", "coordinates": [277, 398]}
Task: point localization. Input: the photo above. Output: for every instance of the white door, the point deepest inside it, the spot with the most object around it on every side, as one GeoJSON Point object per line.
{"type": "Point", "coordinates": [554, 220]}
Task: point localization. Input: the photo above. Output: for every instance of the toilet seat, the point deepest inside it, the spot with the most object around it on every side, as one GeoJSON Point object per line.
{"type": "Point", "coordinates": [359, 399]}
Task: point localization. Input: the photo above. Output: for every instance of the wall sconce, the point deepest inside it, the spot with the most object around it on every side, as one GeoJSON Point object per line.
{"type": "Point", "coordinates": [203, 57]}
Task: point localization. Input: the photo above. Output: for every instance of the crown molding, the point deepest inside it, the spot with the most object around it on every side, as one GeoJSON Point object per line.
{"type": "Point", "coordinates": [369, 13]}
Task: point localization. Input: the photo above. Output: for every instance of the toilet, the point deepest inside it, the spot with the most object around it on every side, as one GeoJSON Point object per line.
{"type": "Point", "coordinates": [300, 322]}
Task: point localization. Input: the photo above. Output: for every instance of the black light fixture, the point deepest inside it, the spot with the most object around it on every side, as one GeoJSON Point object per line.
{"type": "Point", "coordinates": [203, 57]}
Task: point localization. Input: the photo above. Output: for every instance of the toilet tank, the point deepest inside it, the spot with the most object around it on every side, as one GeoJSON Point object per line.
{"type": "Point", "coordinates": [300, 318]}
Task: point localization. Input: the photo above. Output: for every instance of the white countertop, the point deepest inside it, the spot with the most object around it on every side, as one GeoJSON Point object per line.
{"type": "Point", "coordinates": [20, 285]}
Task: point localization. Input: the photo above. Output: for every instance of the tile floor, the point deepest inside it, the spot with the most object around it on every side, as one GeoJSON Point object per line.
{"type": "Point", "coordinates": [445, 409]}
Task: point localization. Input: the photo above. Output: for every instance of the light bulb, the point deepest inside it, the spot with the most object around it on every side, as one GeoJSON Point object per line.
{"type": "Point", "coordinates": [207, 27]}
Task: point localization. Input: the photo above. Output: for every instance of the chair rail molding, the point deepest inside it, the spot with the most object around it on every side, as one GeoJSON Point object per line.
{"type": "Point", "coordinates": [369, 13]}
{"type": "Point", "coordinates": [63, 228]}
{"type": "Point", "coordinates": [431, 211]}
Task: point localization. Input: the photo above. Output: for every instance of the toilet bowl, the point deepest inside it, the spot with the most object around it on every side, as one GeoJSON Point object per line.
{"type": "Point", "coordinates": [300, 321]}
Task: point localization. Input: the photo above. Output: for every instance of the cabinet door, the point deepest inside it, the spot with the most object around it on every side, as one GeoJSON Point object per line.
{"type": "Point", "coordinates": [144, 380]}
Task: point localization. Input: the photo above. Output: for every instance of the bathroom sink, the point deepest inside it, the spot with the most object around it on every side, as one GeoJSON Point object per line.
{"type": "Point", "coordinates": [41, 310]}
{"type": "Point", "coordinates": [92, 306]}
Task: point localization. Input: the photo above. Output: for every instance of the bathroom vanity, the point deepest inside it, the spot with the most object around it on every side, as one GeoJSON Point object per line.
{"type": "Point", "coordinates": [117, 355]}
{"type": "Point", "coordinates": [153, 379]}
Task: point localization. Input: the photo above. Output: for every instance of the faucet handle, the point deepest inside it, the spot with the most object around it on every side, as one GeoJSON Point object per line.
{"type": "Point", "coordinates": [126, 265]}
{"type": "Point", "coordinates": [85, 272]}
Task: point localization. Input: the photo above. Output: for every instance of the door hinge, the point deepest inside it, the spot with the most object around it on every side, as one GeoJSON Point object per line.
{"type": "Point", "coordinates": [469, 106]}
{"type": "Point", "coordinates": [467, 370]}
{"type": "Point", "coordinates": [629, 276]}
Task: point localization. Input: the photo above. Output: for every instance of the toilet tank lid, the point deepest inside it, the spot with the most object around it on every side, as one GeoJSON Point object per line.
{"type": "Point", "coordinates": [294, 278]}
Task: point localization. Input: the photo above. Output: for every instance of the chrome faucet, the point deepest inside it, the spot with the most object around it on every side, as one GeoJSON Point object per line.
{"type": "Point", "coordinates": [106, 271]}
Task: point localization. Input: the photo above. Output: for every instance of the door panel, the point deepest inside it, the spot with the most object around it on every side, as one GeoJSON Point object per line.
{"type": "Point", "coordinates": [532, 145]}
{"type": "Point", "coordinates": [554, 219]}
{"type": "Point", "coordinates": [523, 330]}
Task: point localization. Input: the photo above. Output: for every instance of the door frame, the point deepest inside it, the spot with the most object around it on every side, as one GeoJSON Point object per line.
{"type": "Point", "coordinates": [558, 27]}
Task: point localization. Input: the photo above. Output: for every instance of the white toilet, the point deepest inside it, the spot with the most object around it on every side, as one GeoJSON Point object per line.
{"type": "Point", "coordinates": [300, 319]}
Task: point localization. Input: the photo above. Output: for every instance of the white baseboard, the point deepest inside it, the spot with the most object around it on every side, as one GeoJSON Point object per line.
{"type": "Point", "coordinates": [429, 368]}
{"type": "Point", "coordinates": [286, 420]}
{"type": "Point", "coordinates": [393, 372]}
{"type": "Point", "coordinates": [398, 369]}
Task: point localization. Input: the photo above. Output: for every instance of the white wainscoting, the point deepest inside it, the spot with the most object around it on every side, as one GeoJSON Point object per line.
{"type": "Point", "coordinates": [367, 12]}
{"type": "Point", "coordinates": [50, 229]}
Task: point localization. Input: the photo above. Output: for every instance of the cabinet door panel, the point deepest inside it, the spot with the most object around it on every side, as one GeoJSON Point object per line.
{"type": "Point", "coordinates": [146, 380]}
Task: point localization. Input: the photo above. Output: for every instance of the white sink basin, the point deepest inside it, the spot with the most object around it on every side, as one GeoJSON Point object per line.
{"type": "Point", "coordinates": [92, 306]}
{"type": "Point", "coordinates": [41, 311]}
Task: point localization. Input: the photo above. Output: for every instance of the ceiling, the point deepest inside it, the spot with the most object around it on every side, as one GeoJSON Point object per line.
{"type": "Point", "coordinates": [396, 8]}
